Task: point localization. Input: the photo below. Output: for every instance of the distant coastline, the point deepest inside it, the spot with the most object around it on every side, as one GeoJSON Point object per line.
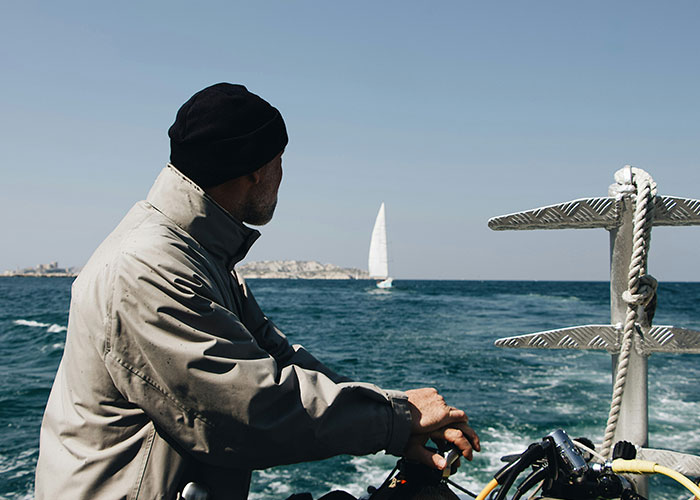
{"type": "Point", "coordinates": [45, 271]}
{"type": "Point", "coordinates": [299, 269]}
{"type": "Point", "coordinates": [270, 269]}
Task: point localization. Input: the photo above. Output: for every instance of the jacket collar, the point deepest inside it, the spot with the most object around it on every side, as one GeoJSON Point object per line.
{"type": "Point", "coordinates": [191, 209]}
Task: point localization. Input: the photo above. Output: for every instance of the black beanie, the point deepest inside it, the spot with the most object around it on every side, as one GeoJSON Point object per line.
{"type": "Point", "coordinates": [224, 132]}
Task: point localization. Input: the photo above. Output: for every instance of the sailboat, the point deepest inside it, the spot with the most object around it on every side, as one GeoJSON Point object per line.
{"type": "Point", "coordinates": [378, 254]}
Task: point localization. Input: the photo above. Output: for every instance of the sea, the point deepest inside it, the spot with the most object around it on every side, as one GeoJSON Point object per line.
{"type": "Point", "coordinates": [419, 334]}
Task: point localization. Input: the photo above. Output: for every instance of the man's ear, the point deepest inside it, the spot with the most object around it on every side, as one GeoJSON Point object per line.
{"type": "Point", "coordinates": [254, 177]}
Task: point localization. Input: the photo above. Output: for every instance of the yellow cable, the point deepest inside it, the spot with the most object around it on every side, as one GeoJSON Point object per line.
{"type": "Point", "coordinates": [638, 466]}
{"type": "Point", "coordinates": [648, 467]}
{"type": "Point", "coordinates": [694, 489]}
{"type": "Point", "coordinates": [489, 488]}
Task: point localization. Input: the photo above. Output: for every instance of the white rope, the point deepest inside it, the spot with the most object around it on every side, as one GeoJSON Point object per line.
{"type": "Point", "coordinates": [640, 291]}
{"type": "Point", "coordinates": [593, 453]}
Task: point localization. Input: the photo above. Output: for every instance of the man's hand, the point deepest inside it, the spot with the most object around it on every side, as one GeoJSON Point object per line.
{"type": "Point", "coordinates": [433, 419]}
{"type": "Point", "coordinates": [429, 411]}
{"type": "Point", "coordinates": [460, 436]}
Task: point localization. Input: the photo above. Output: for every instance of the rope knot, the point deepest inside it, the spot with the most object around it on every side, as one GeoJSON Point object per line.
{"type": "Point", "coordinates": [646, 290]}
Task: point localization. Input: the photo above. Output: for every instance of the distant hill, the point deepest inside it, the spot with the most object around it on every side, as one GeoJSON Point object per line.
{"type": "Point", "coordinates": [286, 269]}
{"type": "Point", "coordinates": [299, 269]}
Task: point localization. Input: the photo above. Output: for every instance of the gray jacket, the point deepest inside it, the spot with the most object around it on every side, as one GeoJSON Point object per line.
{"type": "Point", "coordinates": [172, 373]}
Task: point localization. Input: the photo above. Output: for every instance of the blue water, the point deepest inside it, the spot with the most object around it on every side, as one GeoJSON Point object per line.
{"type": "Point", "coordinates": [421, 333]}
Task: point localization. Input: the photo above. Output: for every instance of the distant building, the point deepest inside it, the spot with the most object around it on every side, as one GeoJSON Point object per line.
{"type": "Point", "coordinates": [44, 270]}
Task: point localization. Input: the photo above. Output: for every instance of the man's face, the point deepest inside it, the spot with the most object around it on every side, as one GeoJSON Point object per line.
{"type": "Point", "coordinates": [263, 196]}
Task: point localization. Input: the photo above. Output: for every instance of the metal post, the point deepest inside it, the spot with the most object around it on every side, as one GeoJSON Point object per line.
{"type": "Point", "coordinates": [632, 425]}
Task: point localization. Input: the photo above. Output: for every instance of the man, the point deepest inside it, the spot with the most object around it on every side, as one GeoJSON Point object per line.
{"type": "Point", "coordinates": [171, 372]}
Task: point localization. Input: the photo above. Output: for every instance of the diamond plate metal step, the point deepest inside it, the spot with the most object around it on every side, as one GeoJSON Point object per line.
{"type": "Point", "coordinates": [688, 465]}
{"type": "Point", "coordinates": [584, 213]}
{"type": "Point", "coordinates": [674, 211]}
{"type": "Point", "coordinates": [606, 338]}
{"type": "Point", "coordinates": [597, 212]}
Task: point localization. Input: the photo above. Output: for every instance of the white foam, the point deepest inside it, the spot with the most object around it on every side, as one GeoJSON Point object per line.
{"type": "Point", "coordinates": [371, 470]}
{"type": "Point", "coordinates": [497, 443]}
{"type": "Point", "coordinates": [277, 484]}
{"type": "Point", "coordinates": [58, 346]}
{"type": "Point", "coordinates": [18, 465]}
{"type": "Point", "coordinates": [51, 328]}
{"type": "Point", "coordinates": [669, 407]}
{"type": "Point", "coordinates": [25, 322]}
{"type": "Point", "coordinates": [27, 496]}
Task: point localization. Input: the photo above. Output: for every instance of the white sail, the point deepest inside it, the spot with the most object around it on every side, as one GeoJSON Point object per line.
{"type": "Point", "coordinates": [378, 261]}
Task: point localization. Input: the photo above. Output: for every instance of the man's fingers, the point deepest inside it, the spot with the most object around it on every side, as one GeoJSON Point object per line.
{"type": "Point", "coordinates": [416, 451]}
{"type": "Point", "coordinates": [456, 438]}
{"type": "Point", "coordinates": [473, 438]}
{"type": "Point", "coordinates": [429, 411]}
{"type": "Point", "coordinates": [469, 433]}
{"type": "Point", "coordinates": [460, 436]}
{"type": "Point", "coordinates": [457, 415]}
{"type": "Point", "coordinates": [431, 459]}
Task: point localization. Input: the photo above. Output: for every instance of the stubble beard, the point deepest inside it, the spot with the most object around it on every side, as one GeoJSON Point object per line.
{"type": "Point", "coordinates": [260, 214]}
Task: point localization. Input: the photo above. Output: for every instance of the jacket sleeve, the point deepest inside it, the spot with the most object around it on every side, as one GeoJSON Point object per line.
{"type": "Point", "coordinates": [193, 367]}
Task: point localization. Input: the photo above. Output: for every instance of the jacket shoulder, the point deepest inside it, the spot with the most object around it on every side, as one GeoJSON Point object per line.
{"type": "Point", "coordinates": [146, 238]}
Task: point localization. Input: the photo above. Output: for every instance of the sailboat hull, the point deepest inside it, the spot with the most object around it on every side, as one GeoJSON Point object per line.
{"type": "Point", "coordinates": [387, 283]}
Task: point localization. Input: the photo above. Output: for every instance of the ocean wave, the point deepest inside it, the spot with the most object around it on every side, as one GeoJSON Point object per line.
{"type": "Point", "coordinates": [498, 442]}
{"type": "Point", "coordinates": [370, 470]}
{"type": "Point", "coordinates": [538, 298]}
{"type": "Point", "coordinates": [18, 466]}
{"type": "Point", "coordinates": [58, 346]}
{"type": "Point", "coordinates": [20, 496]}
{"type": "Point", "coordinates": [677, 420]}
{"type": "Point", "coordinates": [50, 327]}
{"type": "Point", "coordinates": [277, 482]}
{"type": "Point", "coordinates": [674, 409]}
{"type": "Point", "coordinates": [355, 474]}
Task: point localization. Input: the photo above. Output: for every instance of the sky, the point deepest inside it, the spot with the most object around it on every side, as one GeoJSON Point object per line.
{"type": "Point", "coordinates": [449, 112]}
